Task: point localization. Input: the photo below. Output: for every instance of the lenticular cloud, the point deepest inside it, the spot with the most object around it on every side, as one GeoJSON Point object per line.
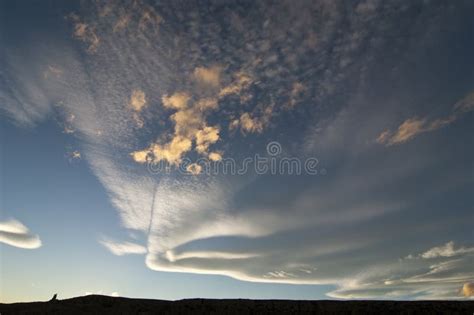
{"type": "Point", "coordinates": [14, 233]}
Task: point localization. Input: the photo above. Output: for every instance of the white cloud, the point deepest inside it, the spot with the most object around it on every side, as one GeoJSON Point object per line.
{"type": "Point", "coordinates": [14, 233]}
{"type": "Point", "coordinates": [123, 248]}
{"type": "Point", "coordinates": [446, 250]}
{"type": "Point", "coordinates": [444, 279]}
{"type": "Point", "coordinates": [101, 292]}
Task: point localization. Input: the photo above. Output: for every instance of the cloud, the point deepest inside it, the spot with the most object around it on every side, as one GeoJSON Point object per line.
{"type": "Point", "coordinates": [137, 100]}
{"type": "Point", "coordinates": [52, 71]}
{"type": "Point", "coordinates": [466, 104]}
{"type": "Point", "coordinates": [149, 18]}
{"type": "Point", "coordinates": [194, 168]}
{"type": "Point", "coordinates": [122, 22]}
{"type": "Point", "coordinates": [189, 126]}
{"type": "Point", "coordinates": [422, 278]}
{"type": "Point", "coordinates": [207, 104]}
{"type": "Point", "coordinates": [85, 33]}
{"type": "Point", "coordinates": [255, 123]}
{"type": "Point", "coordinates": [297, 92]}
{"type": "Point", "coordinates": [123, 248]}
{"type": "Point", "coordinates": [215, 156]}
{"type": "Point", "coordinates": [407, 130]}
{"type": "Point", "coordinates": [208, 76]}
{"type": "Point", "coordinates": [446, 250]}
{"type": "Point", "coordinates": [178, 100]}
{"type": "Point", "coordinates": [100, 292]}
{"type": "Point", "coordinates": [137, 103]}
{"type": "Point", "coordinates": [415, 126]}
{"type": "Point", "coordinates": [205, 137]}
{"type": "Point", "coordinates": [172, 151]}
{"type": "Point", "coordinates": [468, 289]}
{"type": "Point", "coordinates": [241, 82]}
{"type": "Point", "coordinates": [14, 233]}
{"type": "Point", "coordinates": [249, 124]}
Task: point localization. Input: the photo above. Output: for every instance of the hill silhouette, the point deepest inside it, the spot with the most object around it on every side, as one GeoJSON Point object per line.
{"type": "Point", "coordinates": [98, 304]}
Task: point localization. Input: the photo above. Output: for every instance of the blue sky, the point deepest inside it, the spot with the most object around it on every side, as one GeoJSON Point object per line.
{"type": "Point", "coordinates": [372, 100]}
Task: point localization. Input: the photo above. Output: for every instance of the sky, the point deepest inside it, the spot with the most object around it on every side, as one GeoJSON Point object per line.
{"type": "Point", "coordinates": [237, 149]}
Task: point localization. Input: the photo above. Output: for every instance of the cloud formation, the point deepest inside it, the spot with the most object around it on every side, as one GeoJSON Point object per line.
{"type": "Point", "coordinates": [14, 233]}
{"type": "Point", "coordinates": [447, 250]}
{"type": "Point", "coordinates": [468, 289]}
{"type": "Point", "coordinates": [137, 100]}
{"type": "Point", "coordinates": [253, 124]}
{"type": "Point", "coordinates": [312, 58]}
{"type": "Point", "coordinates": [415, 126]}
{"type": "Point", "coordinates": [85, 33]}
{"type": "Point", "coordinates": [208, 76]}
{"type": "Point", "coordinates": [190, 126]}
{"type": "Point", "coordinates": [439, 279]}
{"type": "Point", "coordinates": [122, 248]}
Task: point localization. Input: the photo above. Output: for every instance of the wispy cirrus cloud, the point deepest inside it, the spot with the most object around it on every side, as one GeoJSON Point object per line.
{"type": "Point", "coordinates": [446, 250]}
{"type": "Point", "coordinates": [440, 277]}
{"type": "Point", "coordinates": [412, 127]}
{"type": "Point", "coordinates": [122, 248]}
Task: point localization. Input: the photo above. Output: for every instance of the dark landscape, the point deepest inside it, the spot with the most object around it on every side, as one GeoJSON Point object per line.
{"type": "Point", "coordinates": [98, 304]}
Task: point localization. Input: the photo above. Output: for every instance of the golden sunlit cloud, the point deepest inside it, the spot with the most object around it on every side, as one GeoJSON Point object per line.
{"type": "Point", "coordinates": [187, 122]}
{"type": "Point", "coordinates": [207, 104]}
{"type": "Point", "coordinates": [137, 100]}
{"type": "Point", "coordinates": [253, 123]}
{"type": "Point", "coordinates": [141, 156]}
{"type": "Point", "coordinates": [297, 91]}
{"type": "Point", "coordinates": [249, 124]}
{"type": "Point", "coordinates": [171, 152]}
{"type": "Point", "coordinates": [414, 126]}
{"type": "Point", "coordinates": [189, 126]}
{"type": "Point", "coordinates": [85, 33]}
{"type": "Point", "coordinates": [205, 137]}
{"type": "Point", "coordinates": [122, 22]}
{"type": "Point", "coordinates": [242, 81]}
{"type": "Point", "coordinates": [215, 156]}
{"type": "Point", "coordinates": [194, 168]}
{"type": "Point", "coordinates": [383, 137]}
{"type": "Point", "coordinates": [149, 18]}
{"type": "Point", "coordinates": [407, 130]}
{"type": "Point", "coordinates": [178, 100]}
{"type": "Point", "coordinates": [468, 289]}
{"type": "Point", "coordinates": [208, 76]}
